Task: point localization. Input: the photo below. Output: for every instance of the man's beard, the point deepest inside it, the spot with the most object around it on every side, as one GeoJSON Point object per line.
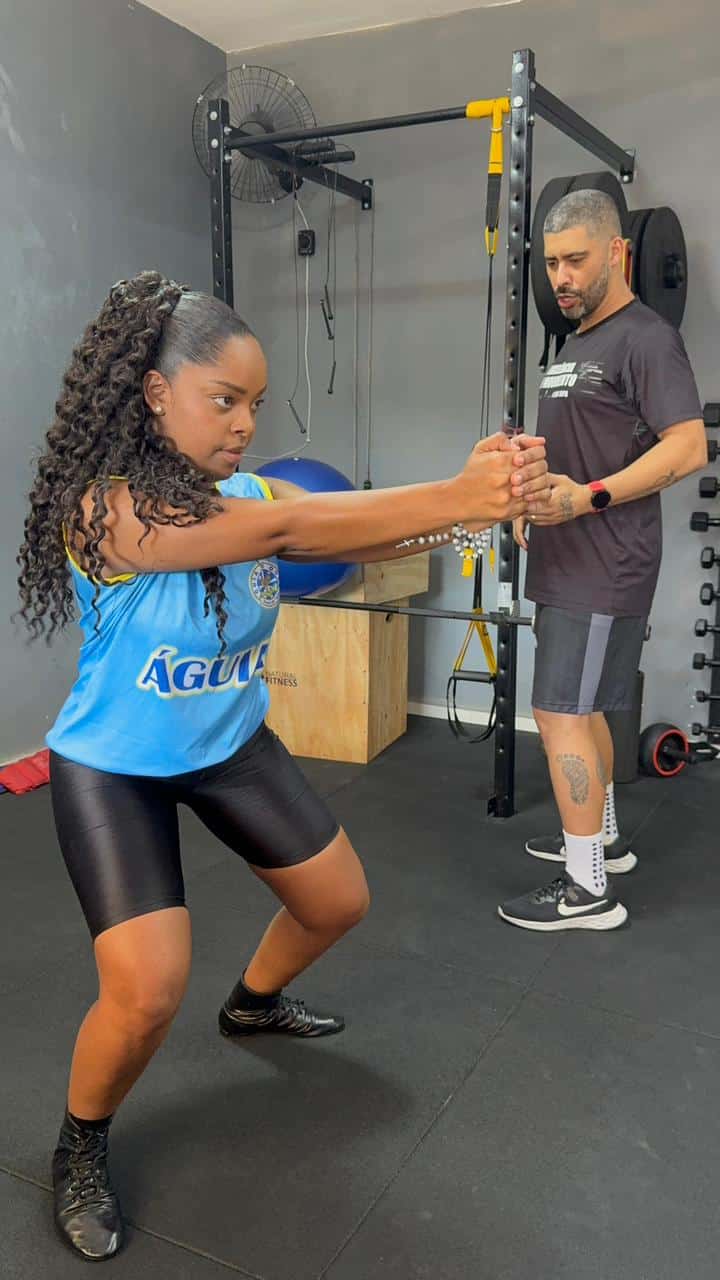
{"type": "Point", "coordinates": [588, 300]}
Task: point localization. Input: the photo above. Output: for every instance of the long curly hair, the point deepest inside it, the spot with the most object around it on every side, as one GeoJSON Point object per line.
{"type": "Point", "coordinates": [103, 428]}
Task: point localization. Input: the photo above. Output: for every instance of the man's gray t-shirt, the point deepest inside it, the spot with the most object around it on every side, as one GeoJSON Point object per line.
{"type": "Point", "coordinates": [602, 405]}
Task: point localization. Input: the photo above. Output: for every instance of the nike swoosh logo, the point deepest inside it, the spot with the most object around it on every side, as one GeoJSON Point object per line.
{"type": "Point", "coordinates": [563, 910]}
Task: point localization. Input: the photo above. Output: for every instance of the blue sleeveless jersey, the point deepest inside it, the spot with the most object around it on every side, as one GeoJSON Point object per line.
{"type": "Point", "coordinates": [152, 697]}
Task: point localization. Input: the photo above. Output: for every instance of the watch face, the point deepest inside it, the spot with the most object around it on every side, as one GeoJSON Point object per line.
{"type": "Point", "coordinates": [600, 499]}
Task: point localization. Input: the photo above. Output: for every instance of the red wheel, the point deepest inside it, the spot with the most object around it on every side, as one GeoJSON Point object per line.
{"type": "Point", "coordinates": [664, 750]}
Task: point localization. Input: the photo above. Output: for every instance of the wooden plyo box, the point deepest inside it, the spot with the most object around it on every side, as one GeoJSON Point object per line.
{"type": "Point", "coordinates": [338, 677]}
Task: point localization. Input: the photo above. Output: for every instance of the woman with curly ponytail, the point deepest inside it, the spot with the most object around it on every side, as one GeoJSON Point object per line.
{"type": "Point", "coordinates": [140, 518]}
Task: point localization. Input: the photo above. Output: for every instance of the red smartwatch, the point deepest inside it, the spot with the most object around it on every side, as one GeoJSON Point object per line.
{"type": "Point", "coordinates": [600, 496]}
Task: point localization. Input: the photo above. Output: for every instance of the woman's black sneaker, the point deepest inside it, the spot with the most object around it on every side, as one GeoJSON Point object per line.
{"type": "Point", "coordinates": [87, 1213]}
{"type": "Point", "coordinates": [279, 1014]}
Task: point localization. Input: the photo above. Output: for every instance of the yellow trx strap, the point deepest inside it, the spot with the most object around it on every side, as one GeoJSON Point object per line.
{"type": "Point", "coordinates": [494, 109]}
{"type": "Point", "coordinates": [484, 637]}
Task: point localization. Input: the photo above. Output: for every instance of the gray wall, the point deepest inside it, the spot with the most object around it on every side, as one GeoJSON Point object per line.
{"type": "Point", "coordinates": [99, 181]}
{"type": "Point", "coordinates": [644, 73]}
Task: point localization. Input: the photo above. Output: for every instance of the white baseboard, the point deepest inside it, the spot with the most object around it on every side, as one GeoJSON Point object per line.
{"type": "Point", "coordinates": [438, 711]}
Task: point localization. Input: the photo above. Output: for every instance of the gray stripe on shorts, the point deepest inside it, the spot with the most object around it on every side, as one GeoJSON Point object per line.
{"type": "Point", "coordinates": [598, 638]}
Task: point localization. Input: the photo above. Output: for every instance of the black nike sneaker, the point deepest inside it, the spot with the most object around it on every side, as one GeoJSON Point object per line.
{"type": "Point", "coordinates": [618, 855]}
{"type": "Point", "coordinates": [563, 904]}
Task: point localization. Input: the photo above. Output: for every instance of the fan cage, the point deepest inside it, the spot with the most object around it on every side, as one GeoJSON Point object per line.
{"type": "Point", "coordinates": [261, 101]}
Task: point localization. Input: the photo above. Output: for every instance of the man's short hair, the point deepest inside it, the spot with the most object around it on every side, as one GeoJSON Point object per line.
{"type": "Point", "coordinates": [594, 210]}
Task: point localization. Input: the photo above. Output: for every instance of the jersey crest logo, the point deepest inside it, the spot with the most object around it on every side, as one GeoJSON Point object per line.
{"type": "Point", "coordinates": [265, 583]}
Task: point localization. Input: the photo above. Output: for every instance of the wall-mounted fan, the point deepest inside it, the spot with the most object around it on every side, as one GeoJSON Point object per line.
{"type": "Point", "coordinates": [261, 102]}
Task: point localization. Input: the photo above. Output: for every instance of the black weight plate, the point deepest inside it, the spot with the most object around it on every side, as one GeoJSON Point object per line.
{"type": "Point", "coordinates": [607, 182]}
{"type": "Point", "coordinates": [636, 227]}
{"type": "Point", "coordinates": [662, 266]}
{"type": "Point", "coordinates": [548, 309]}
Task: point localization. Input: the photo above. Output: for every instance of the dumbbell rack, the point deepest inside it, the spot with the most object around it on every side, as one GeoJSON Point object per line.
{"type": "Point", "coordinates": [700, 521]}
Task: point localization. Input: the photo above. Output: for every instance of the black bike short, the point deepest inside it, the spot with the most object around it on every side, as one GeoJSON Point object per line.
{"type": "Point", "coordinates": [119, 833]}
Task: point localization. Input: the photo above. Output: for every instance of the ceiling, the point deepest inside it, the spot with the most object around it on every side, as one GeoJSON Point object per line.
{"type": "Point", "coordinates": [249, 24]}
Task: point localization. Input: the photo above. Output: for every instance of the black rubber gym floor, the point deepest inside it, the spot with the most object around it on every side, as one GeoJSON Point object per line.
{"type": "Point", "coordinates": [502, 1106]}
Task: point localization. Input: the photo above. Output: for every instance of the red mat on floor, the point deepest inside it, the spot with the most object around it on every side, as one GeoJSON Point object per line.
{"type": "Point", "coordinates": [26, 775]}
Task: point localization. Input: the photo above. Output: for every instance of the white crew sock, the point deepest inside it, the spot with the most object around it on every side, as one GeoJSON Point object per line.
{"type": "Point", "coordinates": [586, 861]}
{"type": "Point", "coordinates": [610, 827]}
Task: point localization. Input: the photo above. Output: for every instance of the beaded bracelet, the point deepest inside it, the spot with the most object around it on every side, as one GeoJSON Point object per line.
{"type": "Point", "coordinates": [467, 544]}
{"type": "Point", "coordinates": [470, 544]}
{"type": "Point", "coordinates": [433, 539]}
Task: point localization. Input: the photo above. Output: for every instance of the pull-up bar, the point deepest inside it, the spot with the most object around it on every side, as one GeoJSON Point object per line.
{"type": "Point", "coordinates": [480, 110]}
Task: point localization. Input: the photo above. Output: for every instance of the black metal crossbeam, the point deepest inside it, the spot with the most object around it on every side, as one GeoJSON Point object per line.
{"type": "Point", "coordinates": [236, 138]}
{"type": "Point", "coordinates": [559, 114]}
{"type": "Point", "coordinates": [282, 159]}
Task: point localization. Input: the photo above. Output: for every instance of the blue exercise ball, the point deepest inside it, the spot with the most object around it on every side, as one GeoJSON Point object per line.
{"type": "Point", "coordinates": [316, 477]}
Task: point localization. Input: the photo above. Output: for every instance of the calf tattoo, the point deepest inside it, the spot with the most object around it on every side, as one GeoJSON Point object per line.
{"type": "Point", "coordinates": [602, 776]}
{"type": "Point", "coordinates": [576, 772]}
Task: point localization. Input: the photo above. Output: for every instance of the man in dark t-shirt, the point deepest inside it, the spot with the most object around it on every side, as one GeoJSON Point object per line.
{"type": "Point", "coordinates": [622, 420]}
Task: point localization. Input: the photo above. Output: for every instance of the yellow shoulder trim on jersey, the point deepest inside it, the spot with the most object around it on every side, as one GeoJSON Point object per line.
{"type": "Point", "coordinates": [261, 481]}
{"type": "Point", "coordinates": [105, 582]}
{"type": "Point", "coordinates": [263, 485]}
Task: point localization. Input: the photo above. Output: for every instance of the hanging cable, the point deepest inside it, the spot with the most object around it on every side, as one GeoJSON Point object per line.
{"type": "Point", "coordinates": [304, 427]}
{"type": "Point", "coordinates": [485, 401]}
{"type": "Point", "coordinates": [294, 391]}
{"type": "Point", "coordinates": [306, 344]}
{"type": "Point", "coordinates": [487, 351]}
{"type": "Point", "coordinates": [328, 304]}
{"type": "Point", "coordinates": [371, 300]}
{"type": "Point", "coordinates": [356, 350]}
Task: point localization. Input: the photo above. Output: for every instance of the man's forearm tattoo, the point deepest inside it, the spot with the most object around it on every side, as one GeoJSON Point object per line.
{"type": "Point", "coordinates": [566, 507]}
{"type": "Point", "coordinates": [576, 773]}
